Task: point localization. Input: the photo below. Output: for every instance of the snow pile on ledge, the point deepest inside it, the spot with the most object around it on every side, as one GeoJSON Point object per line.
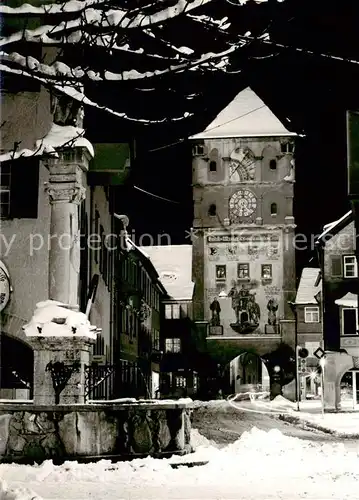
{"type": "Point", "coordinates": [57, 137]}
{"type": "Point", "coordinates": [52, 318]}
{"type": "Point", "coordinates": [7, 493]}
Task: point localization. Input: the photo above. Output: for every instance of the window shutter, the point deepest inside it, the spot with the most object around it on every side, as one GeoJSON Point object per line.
{"type": "Point", "coordinates": [24, 190]}
{"type": "Point", "coordinates": [349, 322]}
{"type": "Point", "coordinates": [336, 266]}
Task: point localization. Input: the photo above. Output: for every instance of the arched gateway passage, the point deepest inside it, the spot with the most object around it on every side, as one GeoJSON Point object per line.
{"type": "Point", "coordinates": [16, 372]}
{"type": "Point", "coordinates": [259, 366]}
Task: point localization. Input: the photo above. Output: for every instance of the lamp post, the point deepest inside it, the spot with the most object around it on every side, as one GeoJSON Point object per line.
{"type": "Point", "coordinates": [322, 364]}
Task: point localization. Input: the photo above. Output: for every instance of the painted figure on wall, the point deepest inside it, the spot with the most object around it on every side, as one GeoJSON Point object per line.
{"type": "Point", "coordinates": [216, 312]}
{"type": "Point", "coordinates": [246, 309]}
{"type": "Point", "coordinates": [272, 307]}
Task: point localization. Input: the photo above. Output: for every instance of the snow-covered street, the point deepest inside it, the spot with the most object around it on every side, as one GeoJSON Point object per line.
{"type": "Point", "coordinates": [261, 464]}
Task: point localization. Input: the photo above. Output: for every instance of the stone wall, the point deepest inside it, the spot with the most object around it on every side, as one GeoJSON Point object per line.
{"type": "Point", "coordinates": [33, 433]}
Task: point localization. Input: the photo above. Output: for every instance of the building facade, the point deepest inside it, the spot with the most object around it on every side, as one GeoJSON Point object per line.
{"type": "Point", "coordinates": [337, 256]}
{"type": "Point", "coordinates": [244, 229]}
{"type": "Point", "coordinates": [179, 368]}
{"type": "Point", "coordinates": [308, 307]}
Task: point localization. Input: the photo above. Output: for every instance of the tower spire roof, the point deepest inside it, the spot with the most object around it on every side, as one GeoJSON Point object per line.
{"type": "Point", "coordinates": [246, 116]}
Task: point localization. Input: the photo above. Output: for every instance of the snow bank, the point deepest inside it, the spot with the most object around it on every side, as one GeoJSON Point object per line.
{"type": "Point", "coordinates": [7, 493]}
{"type": "Point", "coordinates": [258, 465]}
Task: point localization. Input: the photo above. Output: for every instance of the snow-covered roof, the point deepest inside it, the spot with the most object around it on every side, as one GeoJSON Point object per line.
{"type": "Point", "coordinates": [307, 289]}
{"type": "Point", "coordinates": [333, 227]}
{"type": "Point", "coordinates": [348, 300]}
{"type": "Point", "coordinates": [57, 137]}
{"type": "Point", "coordinates": [245, 116]}
{"type": "Point", "coordinates": [174, 266]}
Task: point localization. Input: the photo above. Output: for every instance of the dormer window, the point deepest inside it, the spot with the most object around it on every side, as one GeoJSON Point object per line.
{"type": "Point", "coordinates": [273, 164]}
{"type": "Point", "coordinates": [273, 209]}
{"type": "Point", "coordinates": [212, 211]}
{"type": "Point", "coordinates": [213, 166]}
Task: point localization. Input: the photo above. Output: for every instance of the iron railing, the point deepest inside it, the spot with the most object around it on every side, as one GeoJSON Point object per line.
{"type": "Point", "coordinates": [124, 379]}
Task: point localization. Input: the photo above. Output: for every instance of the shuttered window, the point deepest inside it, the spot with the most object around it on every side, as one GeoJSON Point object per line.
{"type": "Point", "coordinates": [336, 266]}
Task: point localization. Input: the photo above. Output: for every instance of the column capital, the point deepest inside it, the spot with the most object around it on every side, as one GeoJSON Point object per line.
{"type": "Point", "coordinates": [65, 193]}
{"type": "Point", "coordinates": [69, 159]}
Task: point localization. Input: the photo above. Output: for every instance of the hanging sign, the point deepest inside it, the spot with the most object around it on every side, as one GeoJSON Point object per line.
{"type": "Point", "coordinates": [5, 286]}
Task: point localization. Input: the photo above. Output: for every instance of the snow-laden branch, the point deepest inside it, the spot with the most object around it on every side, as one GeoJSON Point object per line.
{"type": "Point", "coordinates": [113, 18]}
{"type": "Point", "coordinates": [81, 97]}
{"type": "Point", "coordinates": [223, 24]}
{"type": "Point", "coordinates": [62, 71]}
{"type": "Point", "coordinates": [180, 50]}
{"type": "Point", "coordinates": [58, 8]}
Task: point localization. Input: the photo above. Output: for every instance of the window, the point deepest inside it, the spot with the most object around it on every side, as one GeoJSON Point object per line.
{"type": "Point", "coordinates": [266, 271]}
{"type": "Point", "coordinates": [220, 273]}
{"type": "Point", "coordinates": [5, 177]}
{"type": "Point", "coordinates": [198, 150]}
{"type": "Point", "coordinates": [287, 147]}
{"type": "Point", "coordinates": [173, 345]}
{"type": "Point", "coordinates": [311, 314]}
{"type": "Point", "coordinates": [273, 164]}
{"type": "Point", "coordinates": [156, 340]}
{"type": "Point", "coordinates": [180, 381]}
{"type": "Point", "coordinates": [213, 166]}
{"type": "Point", "coordinates": [350, 266]}
{"type": "Point", "coordinates": [212, 211]}
{"type": "Point", "coordinates": [349, 321]}
{"type": "Point", "coordinates": [243, 271]}
{"type": "Point", "coordinates": [19, 188]}
{"type": "Point", "coordinates": [172, 311]}
{"type": "Point", "coordinates": [336, 266]}
{"type": "Point", "coordinates": [273, 209]}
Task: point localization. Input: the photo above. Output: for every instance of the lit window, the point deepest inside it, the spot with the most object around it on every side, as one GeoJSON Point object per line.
{"type": "Point", "coordinates": [5, 190]}
{"type": "Point", "coordinates": [173, 345]}
{"type": "Point", "coordinates": [221, 273]}
{"type": "Point", "coordinates": [180, 381]}
{"type": "Point", "coordinates": [349, 321]}
{"type": "Point", "coordinates": [172, 311]}
{"type": "Point", "coordinates": [266, 271]}
{"type": "Point", "coordinates": [243, 270]}
{"type": "Point", "coordinates": [350, 266]}
{"type": "Point", "coordinates": [311, 314]}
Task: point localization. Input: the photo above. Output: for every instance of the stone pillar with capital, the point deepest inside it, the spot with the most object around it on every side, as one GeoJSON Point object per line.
{"type": "Point", "coordinates": [66, 190]}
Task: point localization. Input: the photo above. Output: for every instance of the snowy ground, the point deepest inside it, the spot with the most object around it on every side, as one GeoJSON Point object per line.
{"type": "Point", "coordinates": [342, 424]}
{"type": "Point", "coordinates": [260, 465]}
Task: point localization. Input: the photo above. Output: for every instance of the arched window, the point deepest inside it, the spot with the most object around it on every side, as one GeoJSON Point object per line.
{"type": "Point", "coordinates": [273, 164]}
{"type": "Point", "coordinates": [212, 211]}
{"type": "Point", "coordinates": [273, 209]}
{"type": "Point", "coordinates": [213, 166]}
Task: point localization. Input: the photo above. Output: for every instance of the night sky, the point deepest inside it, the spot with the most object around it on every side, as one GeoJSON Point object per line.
{"type": "Point", "coordinates": [314, 92]}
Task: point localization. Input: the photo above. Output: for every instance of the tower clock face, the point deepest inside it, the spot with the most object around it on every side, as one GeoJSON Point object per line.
{"type": "Point", "coordinates": [242, 204]}
{"type": "Point", "coordinates": [242, 165]}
